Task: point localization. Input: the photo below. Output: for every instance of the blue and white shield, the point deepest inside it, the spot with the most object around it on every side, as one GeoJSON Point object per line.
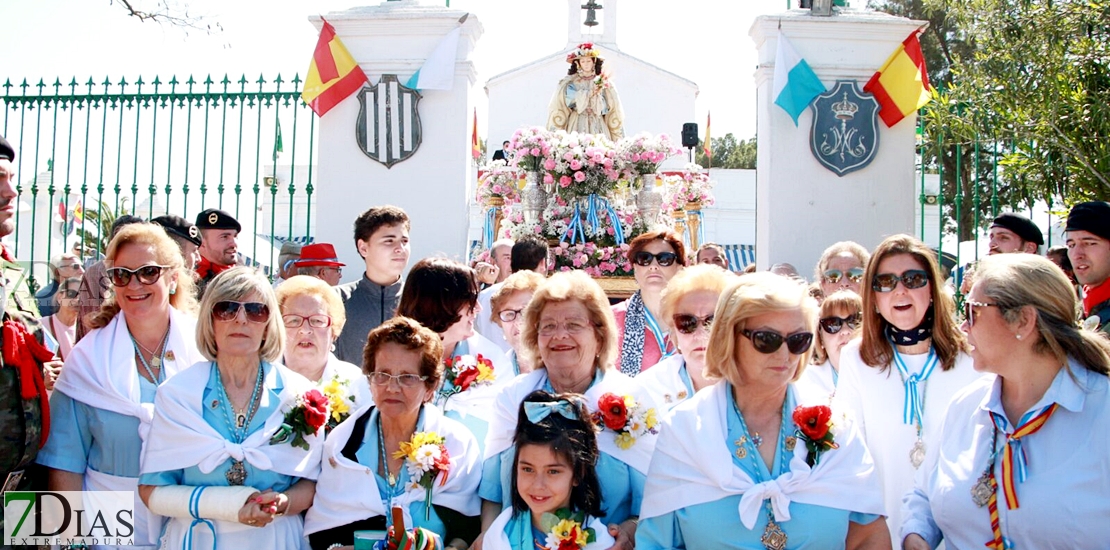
{"type": "Point", "coordinates": [845, 132]}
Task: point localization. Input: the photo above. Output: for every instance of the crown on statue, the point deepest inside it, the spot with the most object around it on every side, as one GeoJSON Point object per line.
{"type": "Point", "coordinates": [585, 49]}
{"type": "Point", "coordinates": [845, 110]}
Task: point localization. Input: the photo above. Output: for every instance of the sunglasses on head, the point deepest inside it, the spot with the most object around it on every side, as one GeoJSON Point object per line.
{"type": "Point", "coordinates": [769, 341]}
{"type": "Point", "coordinates": [832, 324]}
{"type": "Point", "coordinates": [912, 279]}
{"type": "Point", "coordinates": [834, 276]}
{"type": "Point", "coordinates": [147, 274]}
{"type": "Point", "coordinates": [665, 259]}
{"type": "Point", "coordinates": [228, 310]}
{"type": "Point", "coordinates": [688, 324]}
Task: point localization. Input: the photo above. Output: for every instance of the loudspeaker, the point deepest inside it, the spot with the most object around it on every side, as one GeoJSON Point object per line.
{"type": "Point", "coordinates": [690, 134]}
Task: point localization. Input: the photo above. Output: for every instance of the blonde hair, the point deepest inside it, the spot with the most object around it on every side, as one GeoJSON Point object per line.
{"type": "Point", "coordinates": [841, 300]}
{"type": "Point", "coordinates": [166, 253]}
{"type": "Point", "coordinates": [566, 286]}
{"type": "Point", "coordinates": [234, 285]}
{"type": "Point", "coordinates": [875, 349]}
{"type": "Point", "coordinates": [836, 249]}
{"type": "Point", "coordinates": [750, 296]}
{"type": "Point", "coordinates": [1016, 281]}
{"type": "Point", "coordinates": [706, 277]}
{"type": "Point", "coordinates": [521, 281]}
{"type": "Point", "coordinates": [304, 285]}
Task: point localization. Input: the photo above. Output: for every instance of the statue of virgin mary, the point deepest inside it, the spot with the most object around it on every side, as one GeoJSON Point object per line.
{"type": "Point", "coordinates": [586, 100]}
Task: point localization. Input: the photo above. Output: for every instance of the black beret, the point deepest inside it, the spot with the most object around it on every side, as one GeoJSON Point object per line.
{"type": "Point", "coordinates": [6, 151]}
{"type": "Point", "coordinates": [1022, 226]}
{"type": "Point", "coordinates": [217, 219]}
{"type": "Point", "coordinates": [1093, 217]}
{"type": "Point", "coordinates": [179, 227]}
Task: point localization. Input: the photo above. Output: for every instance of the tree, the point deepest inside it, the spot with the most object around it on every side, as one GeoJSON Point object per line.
{"type": "Point", "coordinates": [1039, 73]}
{"type": "Point", "coordinates": [97, 229]}
{"type": "Point", "coordinates": [728, 153]}
{"type": "Point", "coordinates": [171, 12]}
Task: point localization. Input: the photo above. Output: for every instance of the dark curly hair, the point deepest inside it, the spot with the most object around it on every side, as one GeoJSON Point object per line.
{"type": "Point", "coordinates": [572, 440]}
{"type": "Point", "coordinates": [598, 62]}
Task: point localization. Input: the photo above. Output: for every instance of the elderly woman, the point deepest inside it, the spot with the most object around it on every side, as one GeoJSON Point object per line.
{"type": "Point", "coordinates": [371, 460]}
{"type": "Point", "coordinates": [896, 381]}
{"type": "Point", "coordinates": [1047, 377]}
{"type": "Point", "coordinates": [507, 310]}
{"type": "Point", "coordinates": [841, 267]}
{"type": "Point", "coordinates": [102, 402]}
{"type": "Point", "coordinates": [313, 316]}
{"type": "Point", "coordinates": [62, 324]}
{"type": "Point", "coordinates": [688, 304]}
{"type": "Point", "coordinates": [569, 332]}
{"type": "Point", "coordinates": [223, 463]}
{"type": "Point", "coordinates": [787, 494]}
{"type": "Point", "coordinates": [656, 256]}
{"type": "Point", "coordinates": [442, 295]}
{"type": "Point", "coordinates": [837, 322]}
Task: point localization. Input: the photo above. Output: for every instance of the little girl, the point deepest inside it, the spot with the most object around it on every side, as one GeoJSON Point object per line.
{"type": "Point", "coordinates": [558, 497]}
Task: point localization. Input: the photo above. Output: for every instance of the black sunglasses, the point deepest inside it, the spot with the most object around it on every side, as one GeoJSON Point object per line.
{"type": "Point", "coordinates": [769, 341]}
{"type": "Point", "coordinates": [70, 293]}
{"type": "Point", "coordinates": [257, 312]}
{"type": "Point", "coordinates": [834, 276]}
{"type": "Point", "coordinates": [688, 324]}
{"type": "Point", "coordinates": [147, 274]}
{"type": "Point", "coordinates": [832, 324]}
{"type": "Point", "coordinates": [886, 282]}
{"type": "Point", "coordinates": [665, 259]}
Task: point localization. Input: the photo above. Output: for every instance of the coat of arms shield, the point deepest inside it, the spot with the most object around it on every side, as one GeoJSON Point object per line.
{"type": "Point", "coordinates": [845, 132]}
{"type": "Point", "coordinates": [388, 128]}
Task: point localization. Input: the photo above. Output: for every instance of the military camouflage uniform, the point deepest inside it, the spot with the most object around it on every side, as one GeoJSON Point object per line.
{"type": "Point", "coordinates": [20, 419]}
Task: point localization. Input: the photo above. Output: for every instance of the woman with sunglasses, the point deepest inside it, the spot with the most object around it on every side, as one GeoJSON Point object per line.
{"type": "Point", "coordinates": [642, 341]}
{"type": "Point", "coordinates": [570, 334]}
{"type": "Point", "coordinates": [102, 402]}
{"type": "Point", "coordinates": [688, 303]}
{"type": "Point", "coordinates": [368, 472]}
{"type": "Point", "coordinates": [841, 267]}
{"type": "Point", "coordinates": [219, 463]}
{"type": "Point", "coordinates": [897, 379]}
{"type": "Point", "coordinates": [62, 324]}
{"type": "Point", "coordinates": [442, 295]}
{"type": "Point", "coordinates": [507, 310]}
{"type": "Point", "coordinates": [838, 320]}
{"type": "Point", "coordinates": [313, 316]}
{"type": "Point", "coordinates": [739, 445]}
{"type": "Point", "coordinates": [1025, 443]}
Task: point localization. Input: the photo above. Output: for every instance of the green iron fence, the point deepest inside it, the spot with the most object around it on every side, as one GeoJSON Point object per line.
{"type": "Point", "coordinates": [88, 152]}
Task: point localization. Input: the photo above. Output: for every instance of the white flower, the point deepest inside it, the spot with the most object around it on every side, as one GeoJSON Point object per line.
{"type": "Point", "coordinates": [424, 460]}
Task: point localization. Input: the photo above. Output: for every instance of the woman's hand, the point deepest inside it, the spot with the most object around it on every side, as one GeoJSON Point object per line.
{"type": "Point", "coordinates": [625, 535]}
{"type": "Point", "coordinates": [273, 503]}
{"type": "Point", "coordinates": [50, 372]}
{"type": "Point", "coordinates": [915, 542]}
{"type": "Point", "coordinates": [252, 513]}
{"type": "Point", "coordinates": [487, 273]}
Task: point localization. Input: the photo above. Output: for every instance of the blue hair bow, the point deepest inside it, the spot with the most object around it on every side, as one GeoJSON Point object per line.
{"type": "Point", "coordinates": [536, 412]}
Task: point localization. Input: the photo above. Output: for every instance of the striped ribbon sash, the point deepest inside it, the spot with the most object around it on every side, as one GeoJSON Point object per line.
{"type": "Point", "coordinates": [1014, 465]}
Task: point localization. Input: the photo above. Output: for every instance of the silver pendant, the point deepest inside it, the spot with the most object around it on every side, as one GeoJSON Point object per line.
{"type": "Point", "coordinates": [774, 538]}
{"type": "Point", "coordinates": [237, 473]}
{"type": "Point", "coordinates": [155, 362]}
{"type": "Point", "coordinates": [917, 453]}
{"type": "Point", "coordinates": [983, 489]}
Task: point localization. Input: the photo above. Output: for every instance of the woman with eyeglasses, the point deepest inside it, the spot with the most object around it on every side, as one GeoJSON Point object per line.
{"type": "Point", "coordinates": [841, 267]}
{"type": "Point", "coordinates": [570, 334]}
{"type": "Point", "coordinates": [897, 379]}
{"type": "Point", "coordinates": [222, 463]}
{"type": "Point", "coordinates": [733, 467]}
{"type": "Point", "coordinates": [102, 403]}
{"type": "Point", "coordinates": [688, 303]}
{"type": "Point", "coordinates": [313, 316]}
{"type": "Point", "coordinates": [372, 465]}
{"type": "Point", "coordinates": [1024, 444]}
{"type": "Point", "coordinates": [442, 295]}
{"type": "Point", "coordinates": [839, 317]}
{"type": "Point", "coordinates": [507, 310]}
{"type": "Point", "coordinates": [642, 339]}
{"type": "Point", "coordinates": [62, 324]}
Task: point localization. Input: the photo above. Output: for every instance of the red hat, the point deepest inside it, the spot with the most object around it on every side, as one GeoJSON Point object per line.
{"type": "Point", "coordinates": [319, 254]}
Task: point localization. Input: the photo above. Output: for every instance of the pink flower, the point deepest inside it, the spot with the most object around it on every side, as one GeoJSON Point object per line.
{"type": "Point", "coordinates": [579, 177]}
{"type": "Point", "coordinates": [610, 231]}
{"type": "Point", "coordinates": [575, 165]}
{"type": "Point", "coordinates": [548, 179]}
{"type": "Point", "coordinates": [537, 230]}
{"type": "Point", "coordinates": [568, 156]}
{"type": "Point", "coordinates": [564, 181]}
{"type": "Point", "coordinates": [549, 164]}
{"type": "Point", "coordinates": [535, 151]}
{"type": "Point", "coordinates": [635, 157]}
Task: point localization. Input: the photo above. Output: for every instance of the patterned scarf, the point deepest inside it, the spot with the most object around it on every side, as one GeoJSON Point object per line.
{"type": "Point", "coordinates": [632, 344]}
{"type": "Point", "coordinates": [923, 331]}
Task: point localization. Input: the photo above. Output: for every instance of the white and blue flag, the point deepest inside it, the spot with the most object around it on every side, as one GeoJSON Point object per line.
{"type": "Point", "coordinates": [795, 83]}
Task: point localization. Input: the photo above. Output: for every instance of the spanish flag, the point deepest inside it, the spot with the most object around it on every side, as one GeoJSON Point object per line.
{"type": "Point", "coordinates": [333, 74]}
{"type": "Point", "coordinates": [475, 145]}
{"type": "Point", "coordinates": [902, 85]}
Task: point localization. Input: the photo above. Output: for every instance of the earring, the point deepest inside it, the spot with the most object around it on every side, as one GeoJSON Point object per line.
{"type": "Point", "coordinates": [173, 290]}
{"type": "Point", "coordinates": [1018, 336]}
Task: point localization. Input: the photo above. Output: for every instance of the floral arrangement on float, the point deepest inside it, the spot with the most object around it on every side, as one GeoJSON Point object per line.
{"type": "Point", "coordinates": [586, 195]}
